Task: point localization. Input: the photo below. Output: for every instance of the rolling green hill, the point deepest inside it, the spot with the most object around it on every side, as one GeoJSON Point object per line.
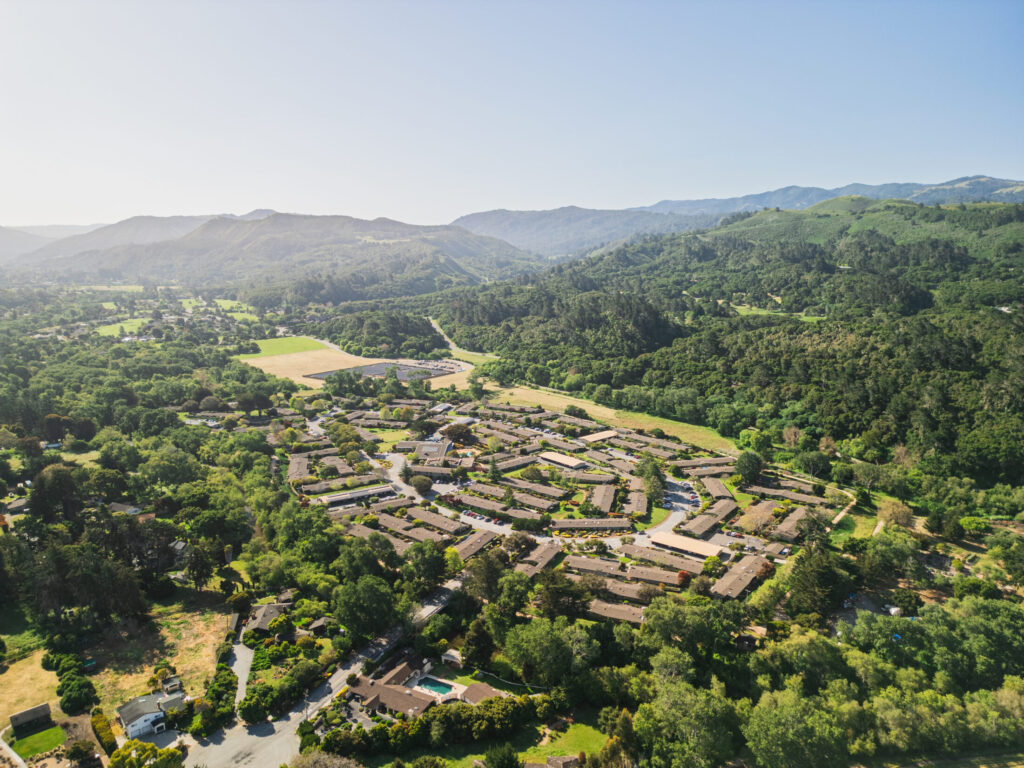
{"type": "Point", "coordinates": [321, 258]}
{"type": "Point", "coordinates": [918, 349]}
{"type": "Point", "coordinates": [573, 230]}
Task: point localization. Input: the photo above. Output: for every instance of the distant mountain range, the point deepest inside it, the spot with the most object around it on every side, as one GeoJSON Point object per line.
{"type": "Point", "coordinates": [335, 258]}
{"type": "Point", "coordinates": [565, 231]}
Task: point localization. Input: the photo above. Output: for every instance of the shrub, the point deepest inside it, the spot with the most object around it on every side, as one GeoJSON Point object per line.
{"type": "Point", "coordinates": [223, 651]}
{"type": "Point", "coordinates": [251, 709]}
{"type": "Point", "coordinates": [76, 694]}
{"type": "Point", "coordinates": [104, 734]}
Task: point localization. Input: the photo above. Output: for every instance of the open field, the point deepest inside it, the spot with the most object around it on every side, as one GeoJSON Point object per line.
{"type": "Point", "coordinates": [284, 345]}
{"type": "Point", "coordinates": [40, 742]}
{"type": "Point", "coordinates": [25, 684]}
{"type": "Point", "coordinates": [185, 632]}
{"type": "Point", "coordinates": [298, 365]}
{"type": "Point", "coordinates": [130, 325]}
{"type": "Point", "coordinates": [460, 380]}
{"type": "Point", "coordinates": [746, 309]}
{"type": "Point", "coordinates": [688, 433]}
{"type": "Point", "coordinates": [476, 358]}
{"type": "Point", "coordinates": [295, 357]}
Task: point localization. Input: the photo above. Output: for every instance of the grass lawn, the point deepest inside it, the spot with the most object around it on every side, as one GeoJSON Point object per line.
{"type": "Point", "coordinates": [86, 459]}
{"type": "Point", "coordinates": [476, 358]}
{"type": "Point", "coordinates": [43, 741]}
{"type": "Point", "coordinates": [131, 325]}
{"type": "Point", "coordinates": [284, 345]}
{"type": "Point", "coordinates": [688, 433]}
{"type": "Point", "coordinates": [746, 309]}
{"type": "Point", "coordinates": [232, 305]}
{"type": "Point", "coordinates": [580, 736]}
{"type": "Point", "coordinates": [190, 303]}
{"type": "Point", "coordinates": [108, 305]}
{"type": "Point", "coordinates": [655, 517]}
{"type": "Point", "coordinates": [15, 631]}
{"type": "Point", "coordinates": [843, 531]}
{"type": "Point", "coordinates": [25, 684]}
{"type": "Point", "coordinates": [186, 632]}
{"type": "Point", "coordinates": [388, 438]}
{"type": "Point", "coordinates": [244, 316]}
{"type": "Point", "coordinates": [124, 288]}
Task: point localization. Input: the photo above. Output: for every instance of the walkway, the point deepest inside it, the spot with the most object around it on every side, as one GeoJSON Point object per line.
{"type": "Point", "coordinates": [7, 751]}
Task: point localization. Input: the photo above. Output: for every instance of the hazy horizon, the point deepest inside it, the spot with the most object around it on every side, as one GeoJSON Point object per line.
{"type": "Point", "coordinates": [425, 112]}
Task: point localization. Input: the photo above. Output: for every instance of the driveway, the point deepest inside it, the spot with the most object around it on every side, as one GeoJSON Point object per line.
{"type": "Point", "coordinates": [240, 662]}
{"type": "Point", "coordinates": [265, 745]}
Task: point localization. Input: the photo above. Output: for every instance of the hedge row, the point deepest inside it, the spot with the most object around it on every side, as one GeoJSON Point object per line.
{"type": "Point", "coordinates": [104, 733]}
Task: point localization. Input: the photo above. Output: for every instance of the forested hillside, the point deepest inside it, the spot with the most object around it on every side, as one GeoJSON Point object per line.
{"type": "Point", "coordinates": [573, 230]}
{"type": "Point", "coordinates": [891, 326]}
{"type": "Point", "coordinates": [290, 258]}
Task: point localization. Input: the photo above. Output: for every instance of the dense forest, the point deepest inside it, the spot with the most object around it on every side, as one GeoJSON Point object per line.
{"type": "Point", "coordinates": [380, 334]}
{"type": "Point", "coordinates": [891, 326]}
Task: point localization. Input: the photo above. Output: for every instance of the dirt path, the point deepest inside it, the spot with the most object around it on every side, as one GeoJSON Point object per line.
{"type": "Point", "coordinates": [451, 344]}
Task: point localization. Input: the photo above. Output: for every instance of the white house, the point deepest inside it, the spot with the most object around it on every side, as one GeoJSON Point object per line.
{"type": "Point", "coordinates": [147, 714]}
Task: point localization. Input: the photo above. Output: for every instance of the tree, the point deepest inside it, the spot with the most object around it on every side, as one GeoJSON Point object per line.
{"type": "Point", "coordinates": [788, 730]}
{"type": "Point", "coordinates": [493, 473]}
{"type": "Point", "coordinates": [685, 727]}
{"type": "Point", "coordinates": [749, 466]}
{"type": "Point", "coordinates": [81, 752]}
{"type": "Point", "coordinates": [142, 754]}
{"type": "Point", "coordinates": [422, 484]}
{"type": "Point", "coordinates": [252, 709]}
{"type": "Point", "coordinates": [503, 756]}
{"type": "Point", "coordinates": [540, 650]}
{"type": "Point", "coordinates": [557, 596]}
{"type": "Point", "coordinates": [814, 463]}
{"type": "Point", "coordinates": [460, 433]}
{"type": "Point", "coordinates": [76, 693]}
{"type": "Point", "coordinates": [712, 566]}
{"type": "Point", "coordinates": [200, 566]}
{"type": "Point", "coordinates": [478, 645]}
{"type": "Point", "coordinates": [895, 512]}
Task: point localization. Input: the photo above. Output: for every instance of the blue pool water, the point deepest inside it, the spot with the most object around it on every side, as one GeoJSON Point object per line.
{"type": "Point", "coordinates": [434, 686]}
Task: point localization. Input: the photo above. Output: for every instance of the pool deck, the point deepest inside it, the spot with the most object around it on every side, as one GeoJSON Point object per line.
{"type": "Point", "coordinates": [455, 694]}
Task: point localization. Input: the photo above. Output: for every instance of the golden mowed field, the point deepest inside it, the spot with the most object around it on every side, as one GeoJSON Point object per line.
{"type": "Point", "coordinates": [298, 365]}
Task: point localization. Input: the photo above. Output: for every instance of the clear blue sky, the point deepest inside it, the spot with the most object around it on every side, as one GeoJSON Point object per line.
{"type": "Point", "coordinates": [422, 111]}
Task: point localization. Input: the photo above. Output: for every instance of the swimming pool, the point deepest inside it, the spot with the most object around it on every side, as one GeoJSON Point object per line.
{"type": "Point", "coordinates": [434, 686]}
